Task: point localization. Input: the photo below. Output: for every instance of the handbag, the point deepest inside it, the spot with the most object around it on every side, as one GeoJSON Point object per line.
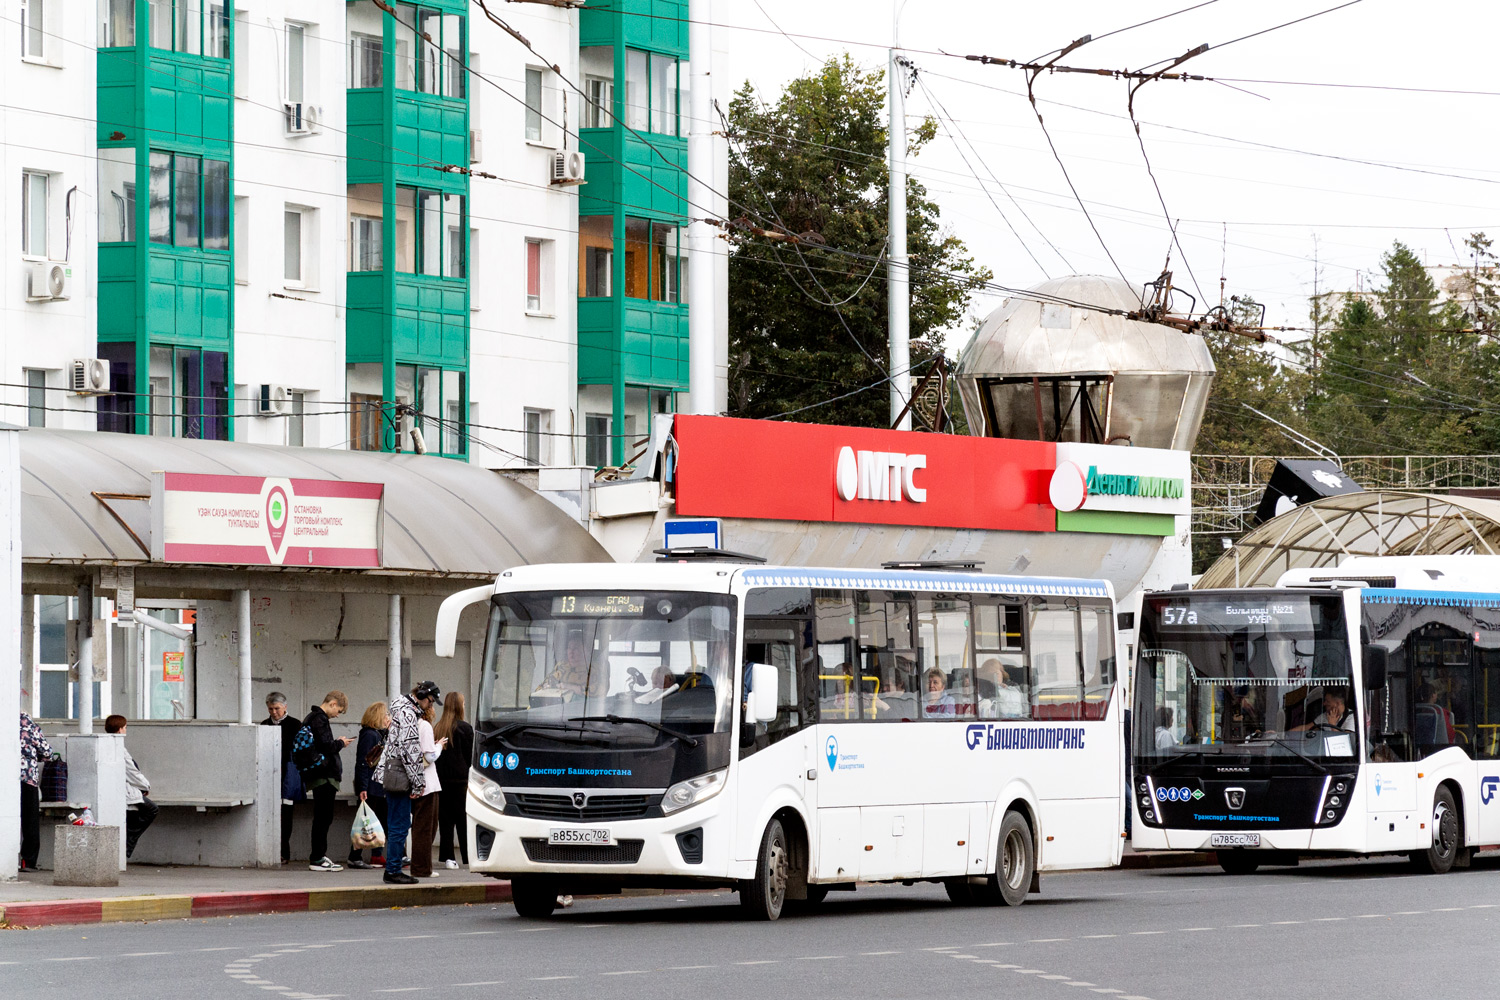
{"type": "Point", "coordinates": [55, 780]}
{"type": "Point", "coordinates": [395, 778]}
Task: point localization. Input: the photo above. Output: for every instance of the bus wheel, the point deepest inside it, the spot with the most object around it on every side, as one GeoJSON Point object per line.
{"type": "Point", "coordinates": [1015, 865]}
{"type": "Point", "coordinates": [1439, 858]}
{"type": "Point", "coordinates": [532, 897]}
{"type": "Point", "coordinates": [1239, 862]}
{"type": "Point", "coordinates": [763, 896]}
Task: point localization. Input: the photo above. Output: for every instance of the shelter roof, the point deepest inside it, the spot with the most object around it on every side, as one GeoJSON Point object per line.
{"type": "Point", "coordinates": [1372, 523]}
{"type": "Point", "coordinates": [85, 500]}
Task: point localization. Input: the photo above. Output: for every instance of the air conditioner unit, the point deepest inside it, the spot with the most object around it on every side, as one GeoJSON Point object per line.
{"type": "Point", "coordinates": [567, 167]}
{"type": "Point", "coordinates": [301, 119]}
{"type": "Point", "coordinates": [89, 376]}
{"type": "Point", "coordinates": [476, 145]}
{"type": "Point", "coordinates": [273, 400]}
{"type": "Point", "coordinates": [49, 280]}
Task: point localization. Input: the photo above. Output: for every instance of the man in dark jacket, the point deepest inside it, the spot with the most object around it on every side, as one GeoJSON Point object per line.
{"type": "Point", "coordinates": [400, 774]}
{"type": "Point", "coordinates": [291, 782]}
{"type": "Point", "coordinates": [322, 771]}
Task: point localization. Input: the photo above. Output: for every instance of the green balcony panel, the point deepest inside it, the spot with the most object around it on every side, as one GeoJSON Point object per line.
{"type": "Point", "coordinates": [367, 322]}
{"type": "Point", "coordinates": [367, 137]}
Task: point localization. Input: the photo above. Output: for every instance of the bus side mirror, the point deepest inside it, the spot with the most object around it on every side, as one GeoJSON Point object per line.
{"type": "Point", "coordinates": [760, 706]}
{"type": "Point", "coordinates": [445, 637]}
{"type": "Point", "coordinates": [1375, 658]}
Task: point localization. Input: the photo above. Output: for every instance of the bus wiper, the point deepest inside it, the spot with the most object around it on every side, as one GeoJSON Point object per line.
{"type": "Point", "coordinates": [617, 719]}
{"type": "Point", "coordinates": [1278, 740]}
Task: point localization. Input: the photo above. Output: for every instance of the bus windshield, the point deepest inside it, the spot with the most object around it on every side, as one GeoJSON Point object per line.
{"type": "Point", "coordinates": [612, 669]}
{"type": "Point", "coordinates": [1262, 670]}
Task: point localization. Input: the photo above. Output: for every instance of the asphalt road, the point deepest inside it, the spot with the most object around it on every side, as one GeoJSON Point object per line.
{"type": "Point", "coordinates": [1325, 930]}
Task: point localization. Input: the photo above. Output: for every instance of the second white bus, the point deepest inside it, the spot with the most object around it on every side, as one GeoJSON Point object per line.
{"type": "Point", "coordinates": [790, 731]}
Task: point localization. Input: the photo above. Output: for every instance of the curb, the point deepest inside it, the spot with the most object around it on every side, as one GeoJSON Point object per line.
{"type": "Point", "coordinates": [228, 904]}
{"type": "Point", "coordinates": [1137, 861]}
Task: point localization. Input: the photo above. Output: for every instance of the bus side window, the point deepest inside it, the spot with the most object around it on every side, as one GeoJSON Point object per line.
{"type": "Point", "coordinates": [887, 662]}
{"type": "Point", "coordinates": [779, 643]}
{"type": "Point", "coordinates": [838, 700]}
{"type": "Point", "coordinates": [947, 656]}
{"type": "Point", "coordinates": [1000, 678]}
{"type": "Point", "coordinates": [1053, 635]}
{"type": "Point", "coordinates": [1487, 699]}
{"type": "Point", "coordinates": [1098, 661]}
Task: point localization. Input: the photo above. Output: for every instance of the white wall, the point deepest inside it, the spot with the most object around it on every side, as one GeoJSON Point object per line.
{"type": "Point", "coordinates": [297, 342]}
{"type": "Point", "coordinates": [48, 125]}
{"type": "Point", "coordinates": [520, 359]}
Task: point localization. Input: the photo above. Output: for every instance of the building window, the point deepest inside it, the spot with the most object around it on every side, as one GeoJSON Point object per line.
{"type": "Point", "coordinates": [596, 439]}
{"type": "Point", "coordinates": [36, 397]}
{"type": "Point", "coordinates": [595, 255]}
{"type": "Point", "coordinates": [116, 23]}
{"type": "Point", "coordinates": [538, 436]}
{"type": "Point", "coordinates": [242, 241]}
{"type": "Point", "coordinates": [292, 246]}
{"type": "Point", "coordinates": [366, 60]}
{"type": "Point", "coordinates": [651, 98]}
{"type": "Point", "coordinates": [34, 29]}
{"type": "Point", "coordinates": [663, 95]}
{"type": "Point", "coordinates": [116, 411]}
{"type": "Point", "coordinates": [189, 393]}
{"type": "Point", "coordinates": [429, 51]}
{"type": "Point", "coordinates": [366, 219]}
{"type": "Point", "coordinates": [117, 195]}
{"type": "Point", "coordinates": [596, 64]}
{"type": "Point", "coordinates": [533, 105]}
{"type": "Point", "coordinates": [637, 90]}
{"type": "Point", "coordinates": [196, 27]}
{"type": "Point", "coordinates": [365, 386]}
{"type": "Point", "coordinates": [296, 61]}
{"type": "Point", "coordinates": [34, 185]}
{"type": "Point", "coordinates": [436, 396]}
{"type": "Point", "coordinates": [296, 420]}
{"type": "Point", "coordinates": [533, 275]}
{"type": "Point", "coordinates": [654, 264]}
{"type": "Point", "coordinates": [439, 244]}
{"type": "Point", "coordinates": [190, 201]}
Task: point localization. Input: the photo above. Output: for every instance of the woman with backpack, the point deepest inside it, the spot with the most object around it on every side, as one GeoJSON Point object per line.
{"type": "Point", "coordinates": [373, 727]}
{"type": "Point", "coordinates": [316, 754]}
{"type": "Point", "coordinates": [453, 774]}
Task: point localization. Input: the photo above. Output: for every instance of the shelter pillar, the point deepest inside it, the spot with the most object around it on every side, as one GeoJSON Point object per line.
{"type": "Point", "coordinates": [85, 665]}
{"type": "Point", "coordinates": [393, 649]}
{"type": "Point", "coordinates": [242, 614]}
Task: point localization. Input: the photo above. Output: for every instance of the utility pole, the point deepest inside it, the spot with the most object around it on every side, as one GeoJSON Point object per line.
{"type": "Point", "coordinates": [898, 274]}
{"type": "Point", "coordinates": [700, 281]}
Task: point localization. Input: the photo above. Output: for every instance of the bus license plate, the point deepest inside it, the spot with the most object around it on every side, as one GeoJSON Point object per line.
{"type": "Point", "coordinates": [1234, 840]}
{"type": "Point", "coordinates": [580, 835]}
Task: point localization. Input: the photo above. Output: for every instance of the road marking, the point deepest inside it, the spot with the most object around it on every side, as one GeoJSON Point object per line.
{"type": "Point", "coordinates": [1054, 977]}
{"type": "Point", "coordinates": [1408, 913]}
{"type": "Point", "coordinates": [687, 968]}
{"type": "Point", "coordinates": [1095, 937]}
{"type": "Point", "coordinates": [1139, 933]}
{"type": "Point", "coordinates": [1028, 972]}
{"type": "Point", "coordinates": [992, 944]}
{"type": "Point", "coordinates": [1135, 998]}
{"type": "Point", "coordinates": [142, 954]}
{"type": "Point", "coordinates": [489, 982]}
{"type": "Point", "coordinates": [950, 947]}
{"type": "Point", "coordinates": [403, 989]}
{"type": "Point", "coordinates": [74, 958]}
{"type": "Point", "coordinates": [1325, 920]}
{"type": "Point", "coordinates": [544, 979]}
{"type": "Point", "coordinates": [625, 972]}
{"type": "Point", "coordinates": [1007, 966]}
{"type": "Point", "coordinates": [1370, 916]}
{"type": "Point", "coordinates": [1102, 990]}
{"type": "Point", "coordinates": [763, 961]}
{"type": "Point", "coordinates": [1235, 926]}
{"type": "Point", "coordinates": [822, 958]}
{"type": "Point", "coordinates": [868, 954]}
{"type": "Point", "coordinates": [986, 961]}
{"type": "Point", "coordinates": [358, 940]}
{"type": "Point", "coordinates": [963, 956]}
{"type": "Point", "coordinates": [524, 930]}
{"type": "Point", "coordinates": [1186, 930]}
{"type": "Point", "coordinates": [478, 933]}
{"type": "Point", "coordinates": [581, 927]}
{"type": "Point", "coordinates": [1446, 909]}
{"type": "Point", "coordinates": [1484, 906]}
{"type": "Point", "coordinates": [1077, 983]}
{"type": "Point", "coordinates": [1047, 940]}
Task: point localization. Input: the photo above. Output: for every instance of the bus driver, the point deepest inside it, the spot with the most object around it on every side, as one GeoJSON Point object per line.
{"type": "Point", "coordinates": [569, 680]}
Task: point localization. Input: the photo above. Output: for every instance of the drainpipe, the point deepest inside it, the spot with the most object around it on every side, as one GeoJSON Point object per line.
{"type": "Point", "coordinates": [393, 651]}
{"type": "Point", "coordinates": [86, 658]}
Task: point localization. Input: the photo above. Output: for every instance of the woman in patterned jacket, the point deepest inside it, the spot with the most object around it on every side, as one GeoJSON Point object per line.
{"type": "Point", "coordinates": [34, 751]}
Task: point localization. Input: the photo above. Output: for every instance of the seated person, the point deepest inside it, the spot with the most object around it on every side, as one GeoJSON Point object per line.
{"type": "Point", "coordinates": [569, 680]}
{"type": "Point", "coordinates": [1335, 714]}
{"type": "Point", "coordinates": [1007, 701]}
{"type": "Point", "coordinates": [935, 698]}
{"type": "Point", "coordinates": [899, 701]}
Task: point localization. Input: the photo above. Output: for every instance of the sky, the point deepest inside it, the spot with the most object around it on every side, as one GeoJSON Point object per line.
{"type": "Point", "coordinates": [1267, 222]}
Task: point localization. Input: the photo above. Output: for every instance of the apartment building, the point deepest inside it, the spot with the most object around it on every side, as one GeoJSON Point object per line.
{"type": "Point", "coordinates": [348, 224]}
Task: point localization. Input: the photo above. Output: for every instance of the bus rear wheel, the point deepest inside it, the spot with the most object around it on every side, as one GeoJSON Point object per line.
{"type": "Point", "coordinates": [1015, 865]}
{"type": "Point", "coordinates": [1439, 858]}
{"type": "Point", "coordinates": [532, 897]}
{"type": "Point", "coordinates": [764, 896]}
{"type": "Point", "coordinates": [1238, 862]}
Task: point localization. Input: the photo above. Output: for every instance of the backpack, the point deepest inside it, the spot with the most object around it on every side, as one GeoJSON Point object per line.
{"type": "Point", "coordinates": [304, 754]}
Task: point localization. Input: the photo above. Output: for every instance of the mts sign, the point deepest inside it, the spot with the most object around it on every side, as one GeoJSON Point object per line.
{"type": "Point", "coordinates": [878, 475]}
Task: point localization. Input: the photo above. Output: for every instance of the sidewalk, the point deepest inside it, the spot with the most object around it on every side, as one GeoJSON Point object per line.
{"type": "Point", "coordinates": [153, 892]}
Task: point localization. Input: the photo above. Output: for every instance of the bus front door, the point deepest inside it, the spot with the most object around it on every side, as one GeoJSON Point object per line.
{"type": "Point", "coordinates": [777, 757]}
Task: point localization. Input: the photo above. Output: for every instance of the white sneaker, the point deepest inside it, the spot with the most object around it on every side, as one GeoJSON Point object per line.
{"type": "Point", "coordinates": [432, 875]}
{"type": "Point", "coordinates": [324, 865]}
{"type": "Point", "coordinates": [451, 863]}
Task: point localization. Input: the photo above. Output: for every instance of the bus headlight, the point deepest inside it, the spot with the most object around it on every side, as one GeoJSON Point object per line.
{"type": "Point", "coordinates": [486, 790]}
{"type": "Point", "coordinates": [692, 791]}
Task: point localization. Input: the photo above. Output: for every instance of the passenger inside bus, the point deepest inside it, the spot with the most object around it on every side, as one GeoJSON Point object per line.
{"type": "Point", "coordinates": [1335, 714]}
{"type": "Point", "coordinates": [1165, 738]}
{"type": "Point", "coordinates": [1000, 697]}
{"type": "Point", "coordinates": [937, 700]}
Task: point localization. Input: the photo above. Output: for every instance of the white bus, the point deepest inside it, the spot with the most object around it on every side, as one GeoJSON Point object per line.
{"type": "Point", "coordinates": [1345, 711]}
{"type": "Point", "coordinates": [789, 731]}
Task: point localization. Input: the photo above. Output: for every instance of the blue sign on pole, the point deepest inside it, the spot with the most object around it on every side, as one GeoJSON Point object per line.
{"type": "Point", "coordinates": [702, 533]}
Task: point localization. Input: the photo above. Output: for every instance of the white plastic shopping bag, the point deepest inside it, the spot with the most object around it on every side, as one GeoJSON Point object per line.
{"type": "Point", "coordinates": [366, 831]}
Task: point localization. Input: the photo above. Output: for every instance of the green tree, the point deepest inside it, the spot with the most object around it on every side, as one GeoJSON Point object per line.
{"type": "Point", "coordinates": [807, 313]}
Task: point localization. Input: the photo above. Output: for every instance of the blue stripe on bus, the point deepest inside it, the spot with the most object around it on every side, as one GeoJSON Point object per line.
{"type": "Point", "coordinates": [914, 579]}
{"type": "Point", "coordinates": [1442, 598]}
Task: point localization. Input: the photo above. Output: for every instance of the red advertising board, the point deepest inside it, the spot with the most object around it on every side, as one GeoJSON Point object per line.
{"type": "Point", "coordinates": [816, 472]}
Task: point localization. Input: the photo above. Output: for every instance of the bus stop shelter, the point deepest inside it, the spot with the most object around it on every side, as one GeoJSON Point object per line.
{"type": "Point", "coordinates": [187, 648]}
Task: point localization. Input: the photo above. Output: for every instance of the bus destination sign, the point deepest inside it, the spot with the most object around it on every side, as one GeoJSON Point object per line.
{"type": "Point", "coordinates": [599, 605]}
{"type": "Point", "coordinates": [1220, 615]}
